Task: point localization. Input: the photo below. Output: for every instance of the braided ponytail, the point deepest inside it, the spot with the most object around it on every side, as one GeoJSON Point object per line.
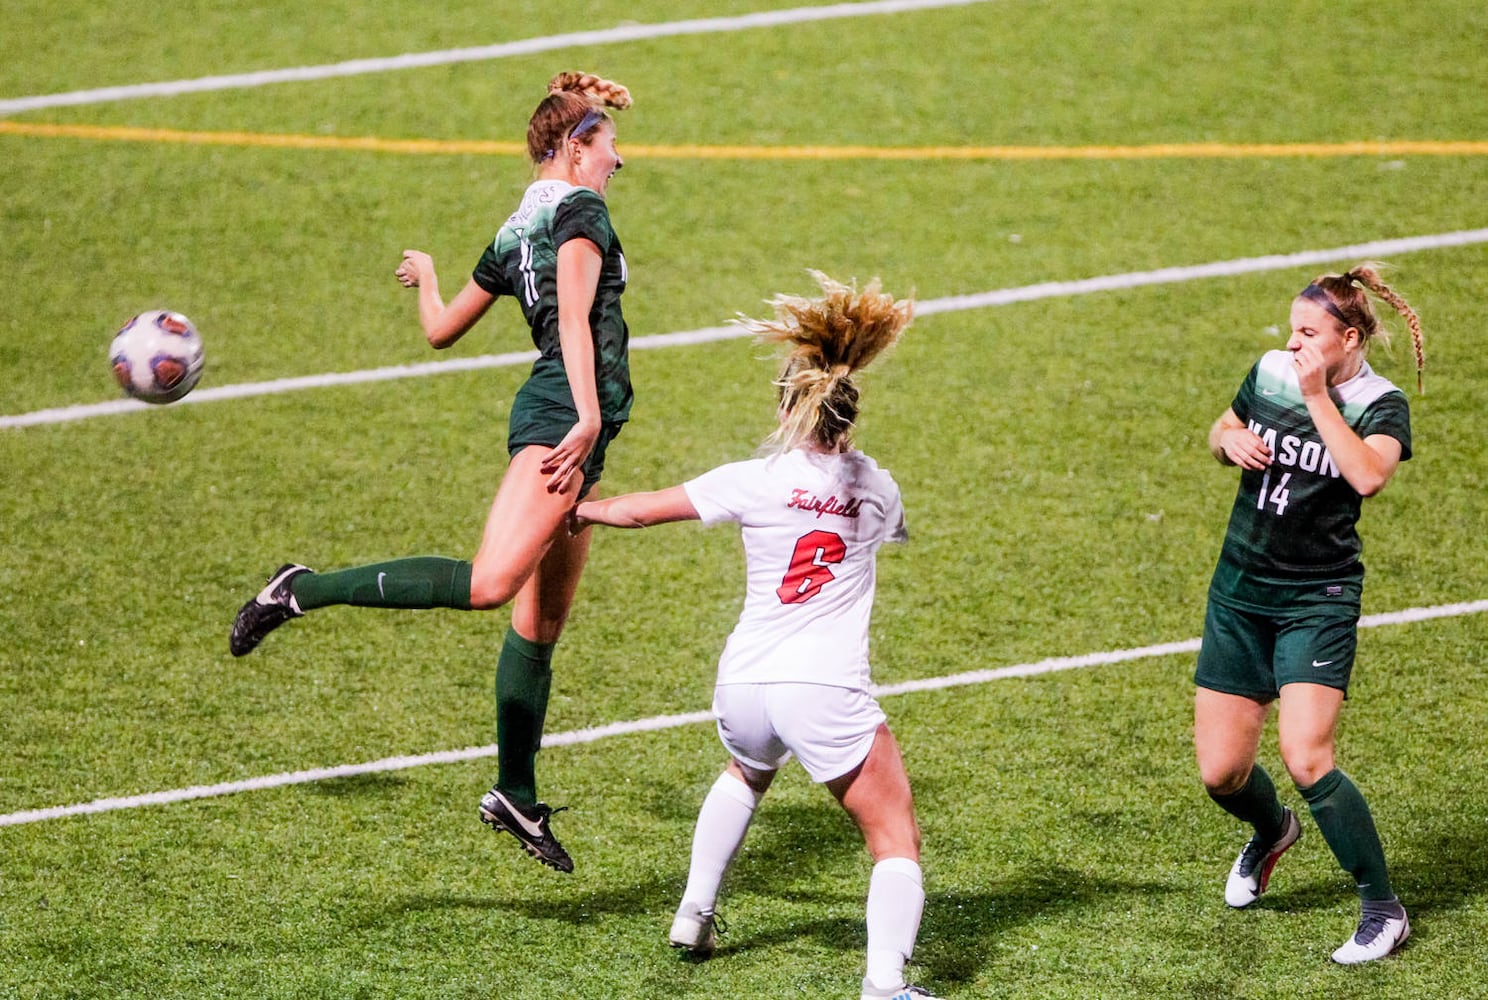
{"type": "Point", "coordinates": [1367, 276]}
{"type": "Point", "coordinates": [1347, 293]}
{"type": "Point", "coordinates": [606, 93]}
{"type": "Point", "coordinates": [574, 101]}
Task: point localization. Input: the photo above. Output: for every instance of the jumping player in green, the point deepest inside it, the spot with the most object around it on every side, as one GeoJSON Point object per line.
{"type": "Point", "coordinates": [559, 257]}
{"type": "Point", "coordinates": [1314, 430]}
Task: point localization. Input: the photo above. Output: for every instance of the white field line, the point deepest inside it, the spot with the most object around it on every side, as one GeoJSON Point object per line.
{"type": "Point", "coordinates": [929, 307]}
{"type": "Point", "coordinates": [1196, 272]}
{"type": "Point", "coordinates": [502, 50]}
{"type": "Point", "coordinates": [658, 722]}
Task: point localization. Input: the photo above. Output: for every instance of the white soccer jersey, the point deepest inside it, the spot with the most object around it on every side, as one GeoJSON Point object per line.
{"type": "Point", "coordinates": [812, 525]}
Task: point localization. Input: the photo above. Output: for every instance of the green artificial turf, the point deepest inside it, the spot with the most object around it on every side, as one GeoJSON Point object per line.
{"type": "Point", "coordinates": [1060, 497]}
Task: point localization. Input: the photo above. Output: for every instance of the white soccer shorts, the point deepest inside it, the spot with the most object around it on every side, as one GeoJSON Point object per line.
{"type": "Point", "coordinates": [829, 729]}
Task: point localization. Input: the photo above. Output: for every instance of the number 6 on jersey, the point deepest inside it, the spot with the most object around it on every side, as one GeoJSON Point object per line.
{"type": "Point", "coordinates": [808, 572]}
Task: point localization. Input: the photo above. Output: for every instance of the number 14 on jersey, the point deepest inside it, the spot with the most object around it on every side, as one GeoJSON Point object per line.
{"type": "Point", "coordinates": [1278, 496]}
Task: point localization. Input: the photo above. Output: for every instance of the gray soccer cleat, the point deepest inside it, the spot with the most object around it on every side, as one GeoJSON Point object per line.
{"type": "Point", "coordinates": [902, 993]}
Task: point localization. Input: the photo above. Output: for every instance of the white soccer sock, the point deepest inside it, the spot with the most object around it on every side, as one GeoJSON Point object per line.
{"type": "Point", "coordinates": [896, 898]}
{"type": "Point", "coordinates": [721, 824]}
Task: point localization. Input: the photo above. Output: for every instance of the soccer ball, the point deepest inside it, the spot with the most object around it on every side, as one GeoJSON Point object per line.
{"type": "Point", "coordinates": [157, 356]}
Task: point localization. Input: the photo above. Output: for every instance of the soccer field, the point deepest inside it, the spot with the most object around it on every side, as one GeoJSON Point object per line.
{"type": "Point", "coordinates": [1104, 211]}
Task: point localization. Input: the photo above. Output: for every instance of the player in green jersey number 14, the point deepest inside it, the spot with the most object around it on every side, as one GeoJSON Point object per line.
{"type": "Point", "coordinates": [1313, 430]}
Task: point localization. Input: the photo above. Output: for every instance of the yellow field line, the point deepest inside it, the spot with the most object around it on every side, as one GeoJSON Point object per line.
{"type": "Point", "coordinates": [113, 133]}
{"type": "Point", "coordinates": [1195, 150]}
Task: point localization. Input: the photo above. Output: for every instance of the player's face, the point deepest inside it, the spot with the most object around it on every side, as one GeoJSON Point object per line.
{"type": "Point", "coordinates": [598, 161]}
{"type": "Point", "coordinates": [1314, 329]}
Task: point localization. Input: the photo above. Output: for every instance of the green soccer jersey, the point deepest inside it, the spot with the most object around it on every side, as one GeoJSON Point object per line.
{"type": "Point", "coordinates": [1297, 517]}
{"type": "Point", "coordinates": [523, 262]}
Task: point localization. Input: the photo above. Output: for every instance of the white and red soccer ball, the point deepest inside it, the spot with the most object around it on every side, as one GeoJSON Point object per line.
{"type": "Point", "coordinates": [157, 356]}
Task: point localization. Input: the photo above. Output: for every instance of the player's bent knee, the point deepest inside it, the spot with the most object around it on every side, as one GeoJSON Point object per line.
{"type": "Point", "coordinates": [1307, 769]}
{"type": "Point", "coordinates": [752, 778]}
{"type": "Point", "coordinates": [488, 592]}
{"type": "Point", "coordinates": [1223, 773]}
{"type": "Point", "coordinates": [1223, 779]}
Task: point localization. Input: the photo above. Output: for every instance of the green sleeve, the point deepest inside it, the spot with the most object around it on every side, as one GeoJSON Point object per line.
{"type": "Point", "coordinates": [1389, 415]}
{"type": "Point", "coordinates": [583, 215]}
{"type": "Point", "coordinates": [1241, 403]}
{"type": "Point", "coordinates": [489, 273]}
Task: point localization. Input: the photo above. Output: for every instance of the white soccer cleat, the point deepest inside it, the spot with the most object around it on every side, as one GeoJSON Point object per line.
{"type": "Point", "coordinates": [902, 993]}
{"type": "Point", "coordinates": [695, 930]}
{"type": "Point", "coordinates": [1252, 869]}
{"type": "Point", "coordinates": [1376, 937]}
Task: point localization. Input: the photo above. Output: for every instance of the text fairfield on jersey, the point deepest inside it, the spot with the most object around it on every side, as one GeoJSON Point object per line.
{"type": "Point", "coordinates": [804, 500]}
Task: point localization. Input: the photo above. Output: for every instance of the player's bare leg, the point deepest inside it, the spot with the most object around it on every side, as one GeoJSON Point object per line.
{"type": "Point", "coordinates": [1227, 736]}
{"type": "Point", "coordinates": [877, 796]}
{"type": "Point", "coordinates": [524, 672]}
{"type": "Point", "coordinates": [525, 519]}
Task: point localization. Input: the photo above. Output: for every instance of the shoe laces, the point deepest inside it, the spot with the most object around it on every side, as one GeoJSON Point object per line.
{"type": "Point", "coordinates": [1371, 926]}
{"type": "Point", "coordinates": [1250, 857]}
{"type": "Point", "coordinates": [544, 814]}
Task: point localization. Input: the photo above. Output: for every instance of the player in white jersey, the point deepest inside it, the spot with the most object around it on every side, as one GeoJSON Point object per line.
{"type": "Point", "coordinates": [793, 678]}
{"type": "Point", "coordinates": [812, 522]}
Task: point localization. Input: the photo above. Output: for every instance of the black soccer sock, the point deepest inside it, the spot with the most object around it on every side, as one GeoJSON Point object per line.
{"type": "Point", "coordinates": [417, 582]}
{"type": "Point", "coordinates": [1345, 822]}
{"type": "Point", "coordinates": [524, 675]}
{"type": "Point", "coordinates": [1390, 908]}
{"type": "Point", "coordinates": [1255, 803]}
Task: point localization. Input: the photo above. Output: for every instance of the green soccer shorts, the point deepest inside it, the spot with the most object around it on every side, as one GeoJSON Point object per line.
{"type": "Point", "coordinates": [538, 420]}
{"type": "Point", "coordinates": [1254, 653]}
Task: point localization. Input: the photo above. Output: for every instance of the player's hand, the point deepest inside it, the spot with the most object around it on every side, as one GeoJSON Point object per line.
{"type": "Point", "coordinates": [415, 267]}
{"type": "Point", "coordinates": [1244, 448]}
{"type": "Point", "coordinates": [576, 522]}
{"type": "Point", "coordinates": [566, 460]}
{"type": "Point", "coordinates": [1312, 370]}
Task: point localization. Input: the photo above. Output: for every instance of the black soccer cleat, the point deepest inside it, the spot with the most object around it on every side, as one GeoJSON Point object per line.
{"type": "Point", "coordinates": [273, 606]}
{"type": "Point", "coordinates": [529, 824]}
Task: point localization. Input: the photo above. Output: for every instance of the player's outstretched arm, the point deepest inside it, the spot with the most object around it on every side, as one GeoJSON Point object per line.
{"type": "Point", "coordinates": [443, 324]}
{"type": "Point", "coordinates": [635, 510]}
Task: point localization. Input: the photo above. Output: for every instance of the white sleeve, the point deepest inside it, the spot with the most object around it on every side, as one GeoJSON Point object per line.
{"type": "Point", "coordinates": [722, 494]}
{"type": "Point", "coordinates": [895, 530]}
